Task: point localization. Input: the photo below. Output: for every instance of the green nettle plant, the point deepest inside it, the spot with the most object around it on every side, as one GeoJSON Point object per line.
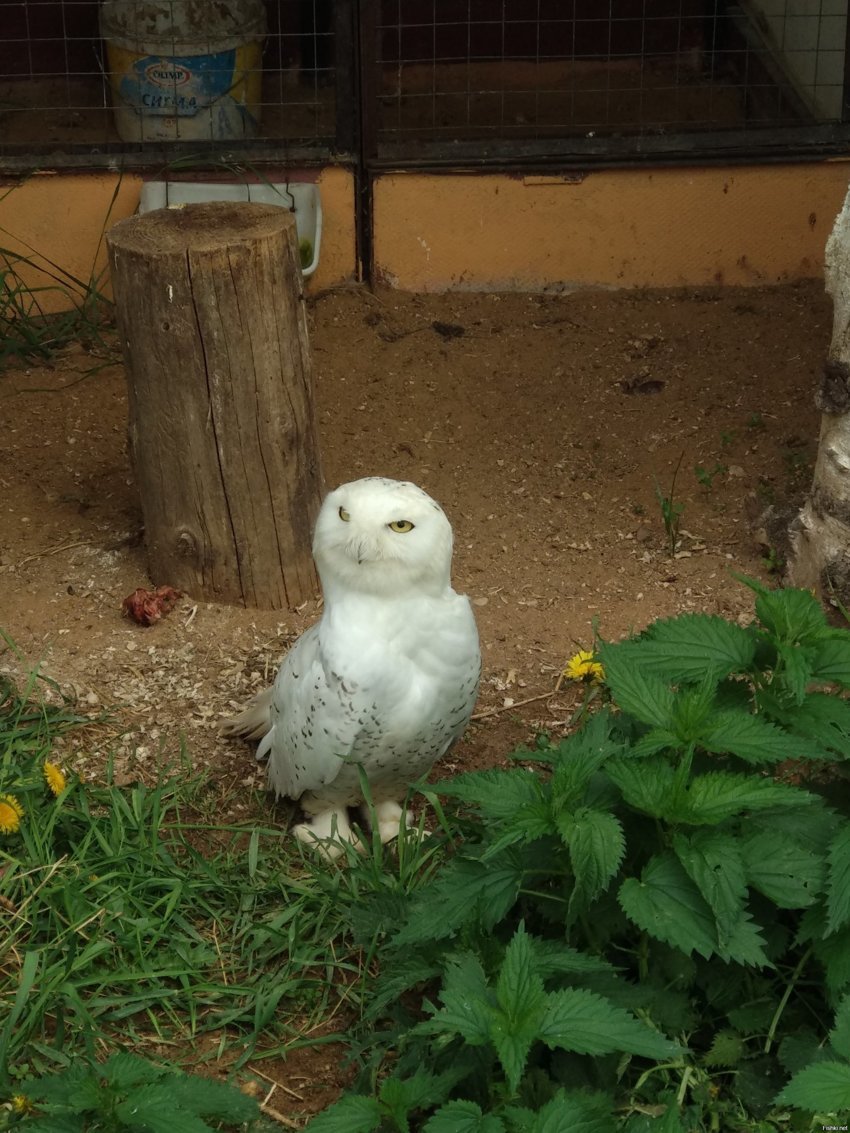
{"type": "Point", "coordinates": [644, 926]}
{"type": "Point", "coordinates": [127, 1093]}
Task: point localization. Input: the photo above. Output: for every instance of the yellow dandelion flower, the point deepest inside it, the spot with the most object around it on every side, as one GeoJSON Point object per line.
{"type": "Point", "coordinates": [21, 1104]}
{"type": "Point", "coordinates": [582, 667]}
{"type": "Point", "coordinates": [11, 813]}
{"type": "Point", "coordinates": [54, 777]}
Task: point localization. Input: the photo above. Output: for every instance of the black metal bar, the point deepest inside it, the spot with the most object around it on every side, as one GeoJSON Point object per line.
{"type": "Point", "coordinates": [345, 45]}
{"type": "Point", "coordinates": [792, 144]}
{"type": "Point", "coordinates": [366, 78]}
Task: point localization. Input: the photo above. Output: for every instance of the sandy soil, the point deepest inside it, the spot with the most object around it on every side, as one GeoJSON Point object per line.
{"type": "Point", "coordinates": [542, 423]}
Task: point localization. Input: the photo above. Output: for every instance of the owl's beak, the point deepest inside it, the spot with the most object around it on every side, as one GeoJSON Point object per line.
{"type": "Point", "coordinates": [363, 550]}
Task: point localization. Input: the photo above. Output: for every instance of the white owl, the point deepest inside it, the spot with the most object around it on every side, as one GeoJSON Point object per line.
{"type": "Point", "coordinates": [386, 680]}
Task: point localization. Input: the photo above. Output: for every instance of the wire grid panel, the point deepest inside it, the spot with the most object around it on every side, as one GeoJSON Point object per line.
{"type": "Point", "coordinates": [79, 76]}
{"type": "Point", "coordinates": [502, 69]}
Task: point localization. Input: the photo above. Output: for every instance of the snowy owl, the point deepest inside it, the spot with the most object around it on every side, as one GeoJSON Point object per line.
{"type": "Point", "coordinates": [386, 680]}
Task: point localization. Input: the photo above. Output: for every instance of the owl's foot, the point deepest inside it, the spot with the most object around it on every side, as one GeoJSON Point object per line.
{"type": "Point", "coordinates": [389, 818]}
{"type": "Point", "coordinates": [328, 832]}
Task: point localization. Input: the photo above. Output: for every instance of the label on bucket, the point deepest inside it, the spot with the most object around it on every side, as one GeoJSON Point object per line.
{"type": "Point", "coordinates": [179, 86]}
{"type": "Point", "coordinates": [169, 97]}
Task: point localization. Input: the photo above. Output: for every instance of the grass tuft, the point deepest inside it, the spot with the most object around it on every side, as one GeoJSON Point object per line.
{"type": "Point", "coordinates": [130, 922]}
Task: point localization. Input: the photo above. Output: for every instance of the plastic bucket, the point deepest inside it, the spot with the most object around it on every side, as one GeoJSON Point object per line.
{"type": "Point", "coordinates": [184, 70]}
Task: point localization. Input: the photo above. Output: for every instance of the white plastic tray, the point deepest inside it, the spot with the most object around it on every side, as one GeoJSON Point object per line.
{"type": "Point", "coordinates": [300, 197]}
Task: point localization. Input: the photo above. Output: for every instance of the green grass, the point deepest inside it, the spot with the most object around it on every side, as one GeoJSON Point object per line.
{"type": "Point", "coordinates": [30, 325]}
{"type": "Point", "coordinates": [130, 923]}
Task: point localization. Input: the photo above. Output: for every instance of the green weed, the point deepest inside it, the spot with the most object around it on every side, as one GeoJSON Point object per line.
{"type": "Point", "coordinates": [671, 509]}
{"type": "Point", "coordinates": [650, 928]}
{"type": "Point", "coordinates": [127, 1093]}
{"type": "Point", "coordinates": [706, 476]}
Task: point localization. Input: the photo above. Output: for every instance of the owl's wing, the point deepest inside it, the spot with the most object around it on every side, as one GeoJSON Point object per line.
{"type": "Point", "coordinates": [316, 715]}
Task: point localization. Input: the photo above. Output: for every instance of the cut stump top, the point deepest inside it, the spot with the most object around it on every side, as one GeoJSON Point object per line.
{"type": "Point", "coordinates": [199, 227]}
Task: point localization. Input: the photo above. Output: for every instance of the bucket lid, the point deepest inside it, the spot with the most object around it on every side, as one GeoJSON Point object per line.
{"type": "Point", "coordinates": [182, 27]}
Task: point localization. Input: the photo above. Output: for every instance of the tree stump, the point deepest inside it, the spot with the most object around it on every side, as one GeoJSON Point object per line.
{"type": "Point", "coordinates": [820, 534]}
{"type": "Point", "coordinates": [223, 434]}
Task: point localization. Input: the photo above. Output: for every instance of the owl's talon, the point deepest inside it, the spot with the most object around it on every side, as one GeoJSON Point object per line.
{"type": "Point", "coordinates": [389, 818]}
{"type": "Point", "coordinates": [328, 834]}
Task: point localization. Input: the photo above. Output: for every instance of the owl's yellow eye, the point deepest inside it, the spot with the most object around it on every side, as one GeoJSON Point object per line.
{"type": "Point", "coordinates": [343, 515]}
{"type": "Point", "coordinates": [402, 526]}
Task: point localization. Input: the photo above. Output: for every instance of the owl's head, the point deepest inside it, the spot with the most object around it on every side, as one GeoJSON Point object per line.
{"type": "Point", "coordinates": [381, 536]}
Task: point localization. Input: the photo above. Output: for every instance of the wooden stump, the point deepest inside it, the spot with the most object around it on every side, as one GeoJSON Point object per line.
{"type": "Point", "coordinates": [222, 426]}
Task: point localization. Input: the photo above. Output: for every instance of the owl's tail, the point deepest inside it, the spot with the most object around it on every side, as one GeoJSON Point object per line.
{"type": "Point", "coordinates": [254, 722]}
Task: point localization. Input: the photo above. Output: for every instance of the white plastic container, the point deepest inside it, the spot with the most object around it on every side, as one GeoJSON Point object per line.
{"type": "Point", "coordinates": [302, 198]}
{"type": "Point", "coordinates": [184, 70]}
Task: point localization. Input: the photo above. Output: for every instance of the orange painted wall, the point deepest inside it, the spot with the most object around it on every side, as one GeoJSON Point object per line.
{"type": "Point", "coordinates": [614, 228]}
{"type": "Point", "coordinates": [62, 217]}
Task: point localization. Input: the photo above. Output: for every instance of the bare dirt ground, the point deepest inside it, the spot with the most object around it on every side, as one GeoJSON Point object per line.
{"type": "Point", "coordinates": [542, 423]}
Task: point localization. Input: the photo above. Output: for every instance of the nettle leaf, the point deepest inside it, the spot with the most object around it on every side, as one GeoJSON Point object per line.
{"type": "Point", "coordinates": [578, 759]}
{"type": "Point", "coordinates": [718, 795]}
{"type": "Point", "coordinates": [838, 881]}
{"type": "Point", "coordinates": [125, 1070]}
{"type": "Point", "coordinates": [352, 1114]}
{"type": "Point", "coordinates": [526, 825]}
{"type": "Point", "coordinates": [466, 889]}
{"type": "Point", "coordinates": [57, 1088]}
{"type": "Point", "coordinates": [712, 860]}
{"type": "Point", "coordinates": [468, 1002]}
{"type": "Point", "coordinates": [565, 1113]}
{"type": "Point", "coordinates": [498, 794]}
{"type": "Point", "coordinates": [57, 1123]}
{"type": "Point", "coordinates": [786, 873]}
{"type": "Point", "coordinates": [641, 694]}
{"type": "Point", "coordinates": [399, 973]}
{"type": "Point", "coordinates": [422, 1090]}
{"type": "Point", "coordinates": [597, 844]}
{"type": "Point", "coordinates": [745, 944]}
{"type": "Point", "coordinates": [799, 1050]}
{"type": "Point", "coordinates": [85, 1095]}
{"type": "Point", "coordinates": [727, 1049]}
{"type": "Point", "coordinates": [794, 668]}
{"type": "Point", "coordinates": [551, 958]}
{"type": "Point", "coordinates": [669, 906]}
{"type": "Point", "coordinates": [752, 738]}
{"type": "Point", "coordinates": [208, 1097]}
{"type": "Point", "coordinates": [581, 1021]}
{"type": "Point", "coordinates": [152, 1108]}
{"type": "Point", "coordinates": [653, 742]}
{"type": "Point", "coordinates": [648, 785]}
{"type": "Point", "coordinates": [822, 720]}
{"type": "Point", "coordinates": [834, 953]}
{"type": "Point", "coordinates": [811, 827]}
{"type": "Point", "coordinates": [691, 709]}
{"type": "Point", "coordinates": [522, 1003]}
{"type": "Point", "coordinates": [823, 1086]}
{"type": "Point", "coordinates": [791, 615]}
{"type": "Point", "coordinates": [831, 658]}
{"type": "Point", "coordinates": [463, 1117]}
{"type": "Point", "coordinates": [693, 647]}
{"type": "Point", "coordinates": [839, 1036]}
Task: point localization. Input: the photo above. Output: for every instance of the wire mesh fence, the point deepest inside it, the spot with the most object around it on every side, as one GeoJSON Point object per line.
{"type": "Point", "coordinates": [80, 76]}
{"type": "Point", "coordinates": [531, 69]}
{"type": "Point", "coordinates": [417, 79]}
